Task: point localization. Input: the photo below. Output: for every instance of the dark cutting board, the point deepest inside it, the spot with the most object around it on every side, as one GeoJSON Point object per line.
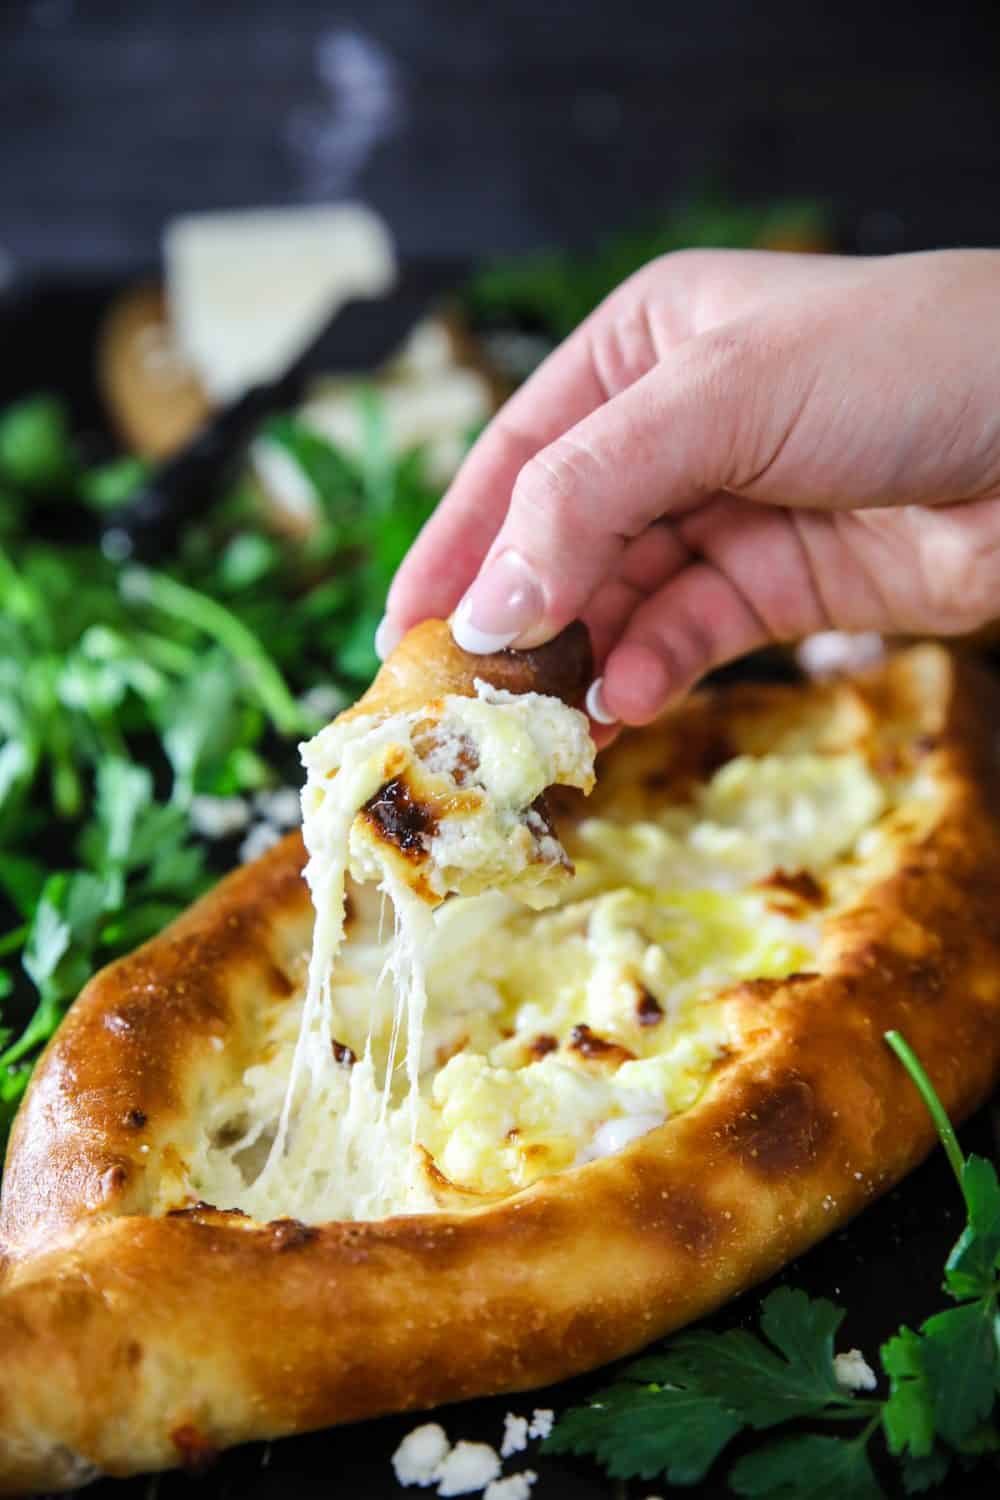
{"type": "Point", "coordinates": [885, 1268]}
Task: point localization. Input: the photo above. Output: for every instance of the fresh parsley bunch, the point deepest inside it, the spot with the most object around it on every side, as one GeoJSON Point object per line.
{"type": "Point", "coordinates": [672, 1414]}
{"type": "Point", "coordinates": [138, 869]}
{"type": "Point", "coordinates": [127, 691]}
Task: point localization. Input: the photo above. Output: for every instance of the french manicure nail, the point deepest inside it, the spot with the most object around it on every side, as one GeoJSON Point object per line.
{"type": "Point", "coordinates": [595, 704]}
{"type": "Point", "coordinates": [506, 600]}
{"type": "Point", "coordinates": [387, 637]}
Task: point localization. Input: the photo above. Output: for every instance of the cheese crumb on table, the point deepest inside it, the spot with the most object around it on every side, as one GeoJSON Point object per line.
{"type": "Point", "coordinates": [420, 1455]}
{"type": "Point", "coordinates": [219, 817]}
{"type": "Point", "coordinates": [542, 1422]}
{"type": "Point", "coordinates": [515, 1435]}
{"type": "Point", "coordinates": [514, 1487]}
{"type": "Point", "coordinates": [853, 1372]}
{"type": "Point", "coordinates": [280, 805]}
{"type": "Point", "coordinates": [467, 1468]}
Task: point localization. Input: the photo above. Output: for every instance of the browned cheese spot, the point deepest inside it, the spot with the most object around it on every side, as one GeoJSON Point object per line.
{"type": "Point", "coordinates": [798, 883]}
{"type": "Point", "coordinates": [399, 819]}
{"type": "Point", "coordinates": [290, 1234]}
{"type": "Point", "coordinates": [114, 1179]}
{"type": "Point", "coordinates": [134, 1119]}
{"type": "Point", "coordinates": [596, 1048]}
{"type": "Point", "coordinates": [465, 760]}
{"type": "Point", "coordinates": [648, 1010]}
{"type": "Point", "coordinates": [197, 1210]}
{"type": "Point", "coordinates": [541, 1045]}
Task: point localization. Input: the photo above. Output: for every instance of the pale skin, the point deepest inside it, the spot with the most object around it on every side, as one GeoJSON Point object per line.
{"type": "Point", "coordinates": [735, 448]}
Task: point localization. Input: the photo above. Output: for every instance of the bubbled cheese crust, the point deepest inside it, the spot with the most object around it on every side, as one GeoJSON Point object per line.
{"type": "Point", "coordinates": [136, 1339]}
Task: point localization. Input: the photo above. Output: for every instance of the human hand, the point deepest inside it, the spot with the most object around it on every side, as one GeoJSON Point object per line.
{"type": "Point", "coordinates": [734, 448]}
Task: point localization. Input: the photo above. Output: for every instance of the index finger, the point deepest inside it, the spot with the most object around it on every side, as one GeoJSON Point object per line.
{"type": "Point", "coordinates": [449, 550]}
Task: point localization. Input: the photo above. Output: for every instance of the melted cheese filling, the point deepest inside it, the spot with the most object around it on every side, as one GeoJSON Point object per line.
{"type": "Point", "coordinates": [427, 803]}
{"type": "Point", "coordinates": [534, 1039]}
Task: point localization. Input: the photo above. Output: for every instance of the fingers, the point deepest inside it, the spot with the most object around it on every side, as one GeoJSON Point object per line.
{"type": "Point", "coordinates": [696, 622]}
{"type": "Point", "coordinates": [617, 346]}
{"type": "Point", "coordinates": [658, 448]}
{"type": "Point", "coordinates": [646, 564]}
{"type": "Point", "coordinates": [752, 578]}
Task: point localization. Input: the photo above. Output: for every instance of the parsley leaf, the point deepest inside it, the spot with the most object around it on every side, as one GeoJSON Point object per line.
{"type": "Point", "coordinates": [920, 1474]}
{"type": "Point", "coordinates": [762, 1386]}
{"type": "Point", "coordinates": [960, 1358]}
{"type": "Point", "coordinates": [36, 450]}
{"type": "Point", "coordinates": [673, 1413]}
{"type": "Point", "coordinates": [971, 1268]}
{"type": "Point", "coordinates": [641, 1431]}
{"type": "Point", "coordinates": [908, 1414]}
{"type": "Point", "coordinates": [21, 880]}
{"type": "Point", "coordinates": [808, 1468]}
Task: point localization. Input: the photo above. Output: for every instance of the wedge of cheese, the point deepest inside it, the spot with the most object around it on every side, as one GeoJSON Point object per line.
{"type": "Point", "coordinates": [248, 289]}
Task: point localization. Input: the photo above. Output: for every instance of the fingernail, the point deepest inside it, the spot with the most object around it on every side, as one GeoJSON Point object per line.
{"type": "Point", "coordinates": [505, 601]}
{"type": "Point", "coordinates": [595, 704]}
{"type": "Point", "coordinates": [387, 637]}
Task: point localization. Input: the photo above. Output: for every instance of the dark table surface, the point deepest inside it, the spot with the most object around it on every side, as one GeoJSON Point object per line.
{"type": "Point", "coordinates": [493, 126]}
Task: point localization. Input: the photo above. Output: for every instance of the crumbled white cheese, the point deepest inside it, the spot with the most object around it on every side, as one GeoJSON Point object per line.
{"type": "Point", "coordinates": [515, 1435]}
{"type": "Point", "coordinates": [543, 1420]}
{"type": "Point", "coordinates": [831, 652]}
{"type": "Point", "coordinates": [853, 1372]}
{"type": "Point", "coordinates": [514, 1487]}
{"type": "Point", "coordinates": [219, 817]}
{"type": "Point", "coordinates": [467, 1468]}
{"type": "Point", "coordinates": [281, 806]}
{"type": "Point", "coordinates": [323, 701]}
{"type": "Point", "coordinates": [262, 836]}
{"type": "Point", "coordinates": [614, 1135]}
{"type": "Point", "coordinates": [420, 1454]}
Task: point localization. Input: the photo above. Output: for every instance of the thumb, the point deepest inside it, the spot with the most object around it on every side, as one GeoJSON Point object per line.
{"type": "Point", "coordinates": [709, 416]}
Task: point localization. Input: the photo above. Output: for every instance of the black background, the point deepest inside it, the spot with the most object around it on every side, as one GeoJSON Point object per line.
{"type": "Point", "coordinates": [495, 125]}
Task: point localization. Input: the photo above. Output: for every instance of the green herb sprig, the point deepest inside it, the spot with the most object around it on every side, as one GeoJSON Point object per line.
{"type": "Point", "coordinates": [126, 692]}
{"type": "Point", "coordinates": [672, 1414]}
{"type": "Point", "coordinates": [139, 869]}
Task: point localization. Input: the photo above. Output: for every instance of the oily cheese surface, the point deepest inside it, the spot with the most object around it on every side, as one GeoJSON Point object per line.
{"type": "Point", "coordinates": [553, 1037]}
{"type": "Point", "coordinates": [787, 1116]}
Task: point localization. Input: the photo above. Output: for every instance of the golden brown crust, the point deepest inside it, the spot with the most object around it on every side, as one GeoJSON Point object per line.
{"type": "Point", "coordinates": [429, 664]}
{"type": "Point", "coordinates": [132, 1342]}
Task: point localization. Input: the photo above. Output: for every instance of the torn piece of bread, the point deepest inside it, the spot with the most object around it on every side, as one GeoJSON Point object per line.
{"type": "Point", "coordinates": [426, 796]}
{"type": "Point", "coordinates": [443, 765]}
